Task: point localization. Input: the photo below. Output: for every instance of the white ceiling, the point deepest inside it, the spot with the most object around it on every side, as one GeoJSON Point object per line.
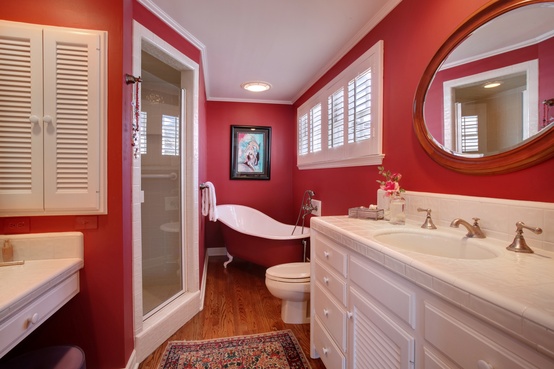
{"type": "Point", "coordinates": [288, 43]}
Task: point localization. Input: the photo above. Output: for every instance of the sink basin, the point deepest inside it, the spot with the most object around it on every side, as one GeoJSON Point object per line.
{"type": "Point", "coordinates": [436, 244]}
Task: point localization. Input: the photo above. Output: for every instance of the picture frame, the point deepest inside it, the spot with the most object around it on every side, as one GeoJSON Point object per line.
{"type": "Point", "coordinates": [250, 152]}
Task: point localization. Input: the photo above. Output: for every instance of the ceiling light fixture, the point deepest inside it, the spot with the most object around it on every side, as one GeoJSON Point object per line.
{"type": "Point", "coordinates": [256, 86]}
{"type": "Point", "coordinates": [492, 84]}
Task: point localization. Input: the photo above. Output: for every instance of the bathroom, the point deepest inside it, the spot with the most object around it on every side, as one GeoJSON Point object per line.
{"type": "Point", "coordinates": [100, 318]}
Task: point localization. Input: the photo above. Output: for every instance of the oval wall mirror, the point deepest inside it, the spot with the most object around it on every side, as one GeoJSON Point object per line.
{"type": "Point", "coordinates": [485, 104]}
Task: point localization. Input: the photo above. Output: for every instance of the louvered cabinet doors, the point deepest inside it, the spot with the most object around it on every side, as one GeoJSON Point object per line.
{"type": "Point", "coordinates": [52, 120]}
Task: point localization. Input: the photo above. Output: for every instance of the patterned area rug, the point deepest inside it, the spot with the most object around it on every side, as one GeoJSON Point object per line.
{"type": "Point", "coordinates": [274, 350]}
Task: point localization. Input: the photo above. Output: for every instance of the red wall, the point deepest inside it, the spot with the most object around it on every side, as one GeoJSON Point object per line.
{"type": "Point", "coordinates": [273, 196]}
{"type": "Point", "coordinates": [100, 317]}
{"type": "Point", "coordinates": [412, 33]}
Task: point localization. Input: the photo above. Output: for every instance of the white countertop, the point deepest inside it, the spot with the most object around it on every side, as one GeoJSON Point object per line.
{"type": "Point", "coordinates": [32, 291]}
{"type": "Point", "coordinates": [513, 291]}
{"type": "Point", "coordinates": [20, 284]}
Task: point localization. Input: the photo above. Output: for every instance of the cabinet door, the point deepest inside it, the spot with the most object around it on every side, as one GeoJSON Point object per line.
{"type": "Point", "coordinates": [375, 340]}
{"type": "Point", "coordinates": [21, 146]}
{"type": "Point", "coordinates": [73, 114]}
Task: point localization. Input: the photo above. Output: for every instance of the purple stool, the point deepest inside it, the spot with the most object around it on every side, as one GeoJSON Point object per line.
{"type": "Point", "coordinates": [55, 357]}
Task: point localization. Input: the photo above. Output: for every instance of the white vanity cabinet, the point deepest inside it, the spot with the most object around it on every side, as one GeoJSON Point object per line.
{"type": "Point", "coordinates": [366, 314]}
{"type": "Point", "coordinates": [352, 327]}
{"type": "Point", "coordinates": [53, 126]}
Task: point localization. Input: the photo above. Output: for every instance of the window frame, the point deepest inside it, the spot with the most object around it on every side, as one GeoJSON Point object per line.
{"type": "Point", "coordinates": [365, 152]}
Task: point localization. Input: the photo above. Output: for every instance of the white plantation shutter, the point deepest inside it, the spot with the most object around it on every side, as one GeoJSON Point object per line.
{"type": "Point", "coordinates": [303, 135]}
{"type": "Point", "coordinates": [20, 98]}
{"type": "Point", "coordinates": [353, 119]}
{"type": "Point", "coordinates": [335, 106]}
{"type": "Point", "coordinates": [72, 99]}
{"type": "Point", "coordinates": [315, 128]}
{"type": "Point", "coordinates": [359, 107]}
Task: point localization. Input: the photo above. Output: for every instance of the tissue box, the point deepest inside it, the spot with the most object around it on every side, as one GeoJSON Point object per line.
{"type": "Point", "coordinates": [365, 213]}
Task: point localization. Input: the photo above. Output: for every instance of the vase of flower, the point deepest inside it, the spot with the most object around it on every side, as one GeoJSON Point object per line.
{"type": "Point", "coordinates": [395, 204]}
{"type": "Point", "coordinates": [397, 213]}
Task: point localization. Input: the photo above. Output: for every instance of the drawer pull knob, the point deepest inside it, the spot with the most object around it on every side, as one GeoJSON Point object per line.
{"type": "Point", "coordinates": [326, 280]}
{"type": "Point", "coordinates": [482, 364]}
{"type": "Point", "coordinates": [34, 318]}
{"type": "Point", "coordinates": [325, 312]}
{"type": "Point", "coordinates": [325, 351]}
{"type": "Point", "coordinates": [326, 254]}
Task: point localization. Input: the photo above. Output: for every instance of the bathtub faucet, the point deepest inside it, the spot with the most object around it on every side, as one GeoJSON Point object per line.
{"type": "Point", "coordinates": [308, 206]}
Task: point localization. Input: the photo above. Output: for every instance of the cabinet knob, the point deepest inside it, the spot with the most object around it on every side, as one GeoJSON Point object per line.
{"type": "Point", "coordinates": [326, 254]}
{"type": "Point", "coordinates": [349, 314]}
{"type": "Point", "coordinates": [47, 119]}
{"type": "Point", "coordinates": [34, 119]}
{"type": "Point", "coordinates": [326, 280]}
{"type": "Point", "coordinates": [325, 312]}
{"type": "Point", "coordinates": [34, 318]}
{"type": "Point", "coordinates": [325, 351]}
{"type": "Point", "coordinates": [482, 364]}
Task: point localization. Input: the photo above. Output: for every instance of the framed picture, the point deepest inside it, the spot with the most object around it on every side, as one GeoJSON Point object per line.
{"type": "Point", "coordinates": [250, 152]}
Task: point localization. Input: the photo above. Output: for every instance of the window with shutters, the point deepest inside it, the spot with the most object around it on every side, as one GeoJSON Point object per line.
{"type": "Point", "coordinates": [170, 135]}
{"type": "Point", "coordinates": [346, 115]}
{"type": "Point", "coordinates": [53, 120]}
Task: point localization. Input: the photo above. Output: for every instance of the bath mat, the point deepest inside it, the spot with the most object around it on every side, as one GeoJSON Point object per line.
{"type": "Point", "coordinates": [274, 350]}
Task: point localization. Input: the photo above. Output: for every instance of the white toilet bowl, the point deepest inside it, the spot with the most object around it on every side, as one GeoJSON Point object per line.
{"type": "Point", "coordinates": [291, 283]}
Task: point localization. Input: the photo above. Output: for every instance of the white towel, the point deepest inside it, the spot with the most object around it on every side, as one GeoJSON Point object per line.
{"type": "Point", "coordinates": [209, 203]}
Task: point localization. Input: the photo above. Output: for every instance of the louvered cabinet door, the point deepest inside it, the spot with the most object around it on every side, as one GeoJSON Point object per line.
{"type": "Point", "coordinates": [21, 125]}
{"type": "Point", "coordinates": [72, 116]}
{"type": "Point", "coordinates": [376, 340]}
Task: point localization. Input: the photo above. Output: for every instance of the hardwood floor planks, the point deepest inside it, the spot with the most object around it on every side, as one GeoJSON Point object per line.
{"type": "Point", "coordinates": [236, 303]}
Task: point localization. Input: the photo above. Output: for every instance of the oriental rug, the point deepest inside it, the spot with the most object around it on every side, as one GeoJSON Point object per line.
{"type": "Point", "coordinates": [274, 350]}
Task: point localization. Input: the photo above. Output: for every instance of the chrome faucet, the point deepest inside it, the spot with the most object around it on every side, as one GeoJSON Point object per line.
{"type": "Point", "coordinates": [473, 230]}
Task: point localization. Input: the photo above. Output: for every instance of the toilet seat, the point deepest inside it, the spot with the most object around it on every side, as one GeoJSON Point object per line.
{"type": "Point", "coordinates": [289, 273]}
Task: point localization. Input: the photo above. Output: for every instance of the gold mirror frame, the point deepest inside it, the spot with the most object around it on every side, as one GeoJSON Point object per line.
{"type": "Point", "coordinates": [529, 153]}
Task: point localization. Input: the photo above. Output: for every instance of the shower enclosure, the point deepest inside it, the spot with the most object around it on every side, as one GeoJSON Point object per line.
{"type": "Point", "coordinates": [160, 151]}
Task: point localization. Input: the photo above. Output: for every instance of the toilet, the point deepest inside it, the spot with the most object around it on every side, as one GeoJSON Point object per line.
{"type": "Point", "coordinates": [291, 283]}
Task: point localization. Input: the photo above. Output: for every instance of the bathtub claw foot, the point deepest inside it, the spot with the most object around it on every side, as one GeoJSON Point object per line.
{"type": "Point", "coordinates": [228, 261]}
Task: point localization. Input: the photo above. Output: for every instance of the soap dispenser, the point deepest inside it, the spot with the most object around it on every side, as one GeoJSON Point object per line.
{"type": "Point", "coordinates": [7, 251]}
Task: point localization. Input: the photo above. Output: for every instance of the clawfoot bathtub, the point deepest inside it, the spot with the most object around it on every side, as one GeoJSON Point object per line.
{"type": "Point", "coordinates": [255, 237]}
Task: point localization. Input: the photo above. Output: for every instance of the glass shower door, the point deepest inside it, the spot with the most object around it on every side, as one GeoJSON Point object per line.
{"type": "Point", "coordinates": [162, 239]}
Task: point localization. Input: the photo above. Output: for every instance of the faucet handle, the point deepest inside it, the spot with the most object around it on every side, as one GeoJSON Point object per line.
{"type": "Point", "coordinates": [476, 221]}
{"type": "Point", "coordinates": [519, 244]}
{"type": "Point", "coordinates": [428, 224]}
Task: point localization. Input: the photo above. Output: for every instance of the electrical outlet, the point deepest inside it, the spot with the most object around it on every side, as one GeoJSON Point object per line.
{"type": "Point", "coordinates": [17, 225]}
{"type": "Point", "coordinates": [172, 203]}
{"type": "Point", "coordinates": [317, 205]}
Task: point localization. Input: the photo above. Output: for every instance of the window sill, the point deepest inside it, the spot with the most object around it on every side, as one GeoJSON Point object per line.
{"type": "Point", "coordinates": [376, 159]}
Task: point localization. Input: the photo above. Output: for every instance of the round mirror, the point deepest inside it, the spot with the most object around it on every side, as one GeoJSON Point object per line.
{"type": "Point", "coordinates": [485, 103]}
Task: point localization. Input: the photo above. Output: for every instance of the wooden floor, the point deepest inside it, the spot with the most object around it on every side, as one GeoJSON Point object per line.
{"type": "Point", "coordinates": [237, 302]}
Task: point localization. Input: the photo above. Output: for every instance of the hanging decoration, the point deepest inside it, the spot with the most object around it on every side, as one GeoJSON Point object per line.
{"type": "Point", "coordinates": [135, 103]}
{"type": "Point", "coordinates": [547, 116]}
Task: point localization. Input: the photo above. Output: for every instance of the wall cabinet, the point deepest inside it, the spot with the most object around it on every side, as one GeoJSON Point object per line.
{"type": "Point", "coordinates": [365, 316]}
{"type": "Point", "coordinates": [52, 120]}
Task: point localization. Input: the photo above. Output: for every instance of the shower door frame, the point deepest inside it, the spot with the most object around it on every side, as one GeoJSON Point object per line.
{"type": "Point", "coordinates": [153, 331]}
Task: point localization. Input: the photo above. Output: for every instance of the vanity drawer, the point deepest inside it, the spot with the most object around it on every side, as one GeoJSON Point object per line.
{"type": "Point", "coordinates": [33, 315]}
{"type": "Point", "coordinates": [331, 315]}
{"type": "Point", "coordinates": [331, 254]}
{"type": "Point", "coordinates": [330, 282]}
{"type": "Point", "coordinates": [388, 291]}
{"type": "Point", "coordinates": [332, 357]}
{"type": "Point", "coordinates": [445, 333]}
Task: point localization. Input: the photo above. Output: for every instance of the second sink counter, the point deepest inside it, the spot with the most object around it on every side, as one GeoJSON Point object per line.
{"type": "Point", "coordinates": [512, 291]}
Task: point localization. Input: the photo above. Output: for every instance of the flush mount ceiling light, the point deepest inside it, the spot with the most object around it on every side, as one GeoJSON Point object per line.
{"type": "Point", "coordinates": [256, 86]}
{"type": "Point", "coordinates": [492, 84]}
